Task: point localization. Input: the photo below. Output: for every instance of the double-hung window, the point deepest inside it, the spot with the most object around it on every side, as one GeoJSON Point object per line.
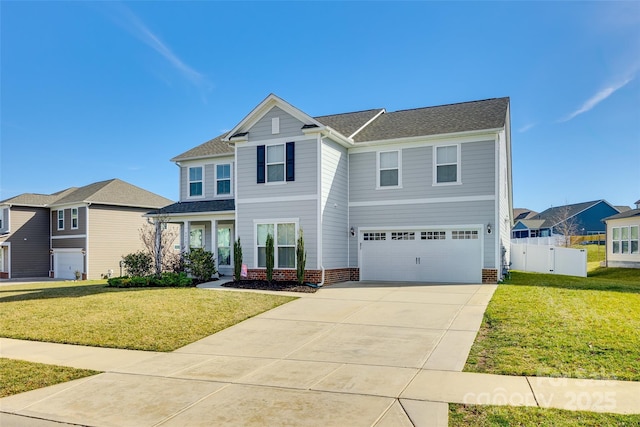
{"type": "Point", "coordinates": [389, 169]}
{"type": "Point", "coordinates": [276, 163]}
{"type": "Point", "coordinates": [223, 179]}
{"type": "Point", "coordinates": [195, 181]}
{"type": "Point", "coordinates": [447, 164]}
{"type": "Point", "coordinates": [74, 218]}
{"type": "Point", "coordinates": [61, 220]}
{"type": "Point", "coordinates": [625, 240]}
{"type": "Point", "coordinates": [284, 238]}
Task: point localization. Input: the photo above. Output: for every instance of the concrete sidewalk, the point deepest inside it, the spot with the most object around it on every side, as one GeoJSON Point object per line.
{"type": "Point", "coordinates": [358, 354]}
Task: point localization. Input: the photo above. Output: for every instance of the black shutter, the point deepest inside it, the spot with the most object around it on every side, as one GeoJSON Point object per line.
{"type": "Point", "coordinates": [261, 164]}
{"type": "Point", "coordinates": [291, 161]}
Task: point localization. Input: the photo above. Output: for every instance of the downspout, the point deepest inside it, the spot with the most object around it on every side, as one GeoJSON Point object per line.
{"type": "Point", "coordinates": [86, 251]}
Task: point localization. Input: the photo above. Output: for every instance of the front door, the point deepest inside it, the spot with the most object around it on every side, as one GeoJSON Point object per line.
{"type": "Point", "coordinates": [224, 249]}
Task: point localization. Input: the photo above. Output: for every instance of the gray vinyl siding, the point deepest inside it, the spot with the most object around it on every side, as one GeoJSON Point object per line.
{"type": "Point", "coordinates": [306, 173]}
{"type": "Point", "coordinates": [74, 243]}
{"type": "Point", "coordinates": [29, 242]}
{"type": "Point", "coordinates": [209, 179]}
{"type": "Point", "coordinates": [424, 215]}
{"type": "Point", "coordinates": [82, 222]}
{"type": "Point", "coordinates": [305, 211]}
{"type": "Point", "coordinates": [334, 205]}
{"type": "Point", "coordinates": [289, 126]}
{"type": "Point", "coordinates": [477, 169]}
{"type": "Point", "coordinates": [113, 232]}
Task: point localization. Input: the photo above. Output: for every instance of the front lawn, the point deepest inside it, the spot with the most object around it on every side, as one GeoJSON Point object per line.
{"type": "Point", "coordinates": [141, 319]}
{"type": "Point", "coordinates": [550, 325]}
{"type": "Point", "coordinates": [476, 415]}
{"type": "Point", "coordinates": [19, 376]}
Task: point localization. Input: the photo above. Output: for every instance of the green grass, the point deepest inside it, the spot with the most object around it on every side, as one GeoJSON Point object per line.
{"type": "Point", "coordinates": [595, 255]}
{"type": "Point", "coordinates": [142, 319]}
{"type": "Point", "coordinates": [507, 416]}
{"type": "Point", "coordinates": [550, 325]}
{"type": "Point", "coordinates": [19, 376]}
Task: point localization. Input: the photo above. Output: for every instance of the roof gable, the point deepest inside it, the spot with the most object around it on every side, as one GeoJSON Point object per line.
{"type": "Point", "coordinates": [113, 192]}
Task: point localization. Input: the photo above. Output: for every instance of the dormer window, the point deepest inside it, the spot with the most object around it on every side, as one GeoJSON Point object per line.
{"type": "Point", "coordinates": [195, 181]}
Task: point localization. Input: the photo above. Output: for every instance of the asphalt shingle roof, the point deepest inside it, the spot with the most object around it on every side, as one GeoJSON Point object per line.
{"type": "Point", "coordinates": [443, 119]}
{"type": "Point", "coordinates": [213, 147]}
{"type": "Point", "coordinates": [196, 207]}
{"type": "Point", "coordinates": [110, 192]}
{"type": "Point", "coordinates": [626, 214]}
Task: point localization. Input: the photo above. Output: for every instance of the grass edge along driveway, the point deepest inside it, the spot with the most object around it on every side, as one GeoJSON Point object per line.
{"type": "Point", "coordinates": [561, 326]}
{"type": "Point", "coordinates": [152, 319]}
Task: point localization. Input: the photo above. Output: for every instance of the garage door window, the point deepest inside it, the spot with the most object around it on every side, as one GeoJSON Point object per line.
{"type": "Point", "coordinates": [405, 235]}
{"type": "Point", "coordinates": [433, 235]}
{"type": "Point", "coordinates": [464, 234]}
{"type": "Point", "coordinates": [375, 236]}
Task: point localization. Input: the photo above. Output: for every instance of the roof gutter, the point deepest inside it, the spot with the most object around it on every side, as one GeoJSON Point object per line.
{"type": "Point", "coordinates": [421, 138]}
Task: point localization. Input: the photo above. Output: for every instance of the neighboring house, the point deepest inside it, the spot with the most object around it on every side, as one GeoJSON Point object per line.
{"type": "Point", "coordinates": [412, 195]}
{"type": "Point", "coordinates": [586, 218]}
{"type": "Point", "coordinates": [622, 239]}
{"type": "Point", "coordinates": [522, 213]}
{"type": "Point", "coordinates": [85, 229]}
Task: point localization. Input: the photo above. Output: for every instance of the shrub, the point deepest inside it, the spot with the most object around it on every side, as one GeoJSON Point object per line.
{"type": "Point", "coordinates": [237, 259]}
{"type": "Point", "coordinates": [167, 279]}
{"type": "Point", "coordinates": [138, 263]}
{"type": "Point", "coordinates": [269, 255]}
{"type": "Point", "coordinates": [301, 258]}
{"type": "Point", "coordinates": [200, 264]}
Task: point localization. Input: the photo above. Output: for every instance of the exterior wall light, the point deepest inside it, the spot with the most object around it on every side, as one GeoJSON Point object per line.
{"type": "Point", "coordinates": [489, 228]}
{"type": "Point", "coordinates": [352, 232]}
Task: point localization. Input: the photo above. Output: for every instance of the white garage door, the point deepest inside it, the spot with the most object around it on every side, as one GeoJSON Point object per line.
{"type": "Point", "coordinates": [451, 255]}
{"type": "Point", "coordinates": [65, 264]}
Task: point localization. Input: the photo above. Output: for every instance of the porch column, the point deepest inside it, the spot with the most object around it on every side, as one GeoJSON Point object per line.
{"type": "Point", "coordinates": [186, 226]}
{"type": "Point", "coordinates": [214, 241]}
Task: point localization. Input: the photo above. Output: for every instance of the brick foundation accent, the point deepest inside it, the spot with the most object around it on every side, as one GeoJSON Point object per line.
{"type": "Point", "coordinates": [312, 276]}
{"type": "Point", "coordinates": [489, 275]}
{"type": "Point", "coordinates": [4, 275]}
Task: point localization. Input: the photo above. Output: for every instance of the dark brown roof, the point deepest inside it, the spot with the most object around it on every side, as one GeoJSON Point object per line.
{"type": "Point", "coordinates": [213, 147]}
{"type": "Point", "coordinates": [443, 119]}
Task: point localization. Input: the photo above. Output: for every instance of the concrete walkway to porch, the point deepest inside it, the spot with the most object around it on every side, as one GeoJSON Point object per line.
{"type": "Point", "coordinates": [358, 354]}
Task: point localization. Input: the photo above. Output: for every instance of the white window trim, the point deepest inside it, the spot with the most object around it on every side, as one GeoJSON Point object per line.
{"type": "Point", "coordinates": [189, 196]}
{"type": "Point", "coordinates": [284, 164]}
{"type": "Point", "coordinates": [458, 165]}
{"type": "Point", "coordinates": [378, 169]}
{"type": "Point", "coordinates": [275, 223]}
{"type": "Point", "coordinates": [230, 193]}
{"type": "Point", "coordinates": [76, 217]}
{"type": "Point", "coordinates": [58, 219]}
{"type": "Point", "coordinates": [629, 239]}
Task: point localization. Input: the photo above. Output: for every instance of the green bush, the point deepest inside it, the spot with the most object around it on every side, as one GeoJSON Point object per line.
{"type": "Point", "coordinates": [301, 256]}
{"type": "Point", "coordinates": [269, 255]}
{"type": "Point", "coordinates": [166, 280]}
{"type": "Point", "coordinates": [200, 264]}
{"type": "Point", "coordinates": [237, 259]}
{"type": "Point", "coordinates": [138, 264]}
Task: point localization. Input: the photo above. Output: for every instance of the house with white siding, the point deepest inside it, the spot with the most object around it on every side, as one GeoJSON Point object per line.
{"type": "Point", "coordinates": [414, 195]}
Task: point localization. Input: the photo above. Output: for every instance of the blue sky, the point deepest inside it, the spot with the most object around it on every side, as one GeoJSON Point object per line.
{"type": "Point", "coordinates": [98, 90]}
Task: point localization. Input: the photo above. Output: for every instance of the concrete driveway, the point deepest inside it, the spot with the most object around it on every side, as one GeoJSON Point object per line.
{"type": "Point", "coordinates": [342, 356]}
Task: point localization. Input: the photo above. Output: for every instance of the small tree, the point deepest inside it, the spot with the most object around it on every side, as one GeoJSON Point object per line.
{"type": "Point", "coordinates": [157, 238]}
{"type": "Point", "coordinates": [200, 264]}
{"type": "Point", "coordinates": [566, 224]}
{"type": "Point", "coordinates": [269, 255]}
{"type": "Point", "coordinates": [237, 259]}
{"type": "Point", "coordinates": [137, 264]}
{"type": "Point", "coordinates": [301, 258]}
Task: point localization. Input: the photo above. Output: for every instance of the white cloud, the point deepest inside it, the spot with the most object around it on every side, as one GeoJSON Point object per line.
{"type": "Point", "coordinates": [137, 28]}
{"type": "Point", "coordinates": [526, 127]}
{"type": "Point", "coordinates": [598, 98]}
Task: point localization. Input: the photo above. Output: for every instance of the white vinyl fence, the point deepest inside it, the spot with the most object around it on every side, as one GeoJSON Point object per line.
{"type": "Point", "coordinates": [549, 259]}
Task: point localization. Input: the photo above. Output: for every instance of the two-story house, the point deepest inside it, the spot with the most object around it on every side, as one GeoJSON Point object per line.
{"type": "Point", "coordinates": [413, 195]}
{"type": "Point", "coordinates": [85, 230]}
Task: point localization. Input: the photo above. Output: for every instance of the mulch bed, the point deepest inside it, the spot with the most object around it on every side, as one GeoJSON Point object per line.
{"type": "Point", "coordinates": [289, 286]}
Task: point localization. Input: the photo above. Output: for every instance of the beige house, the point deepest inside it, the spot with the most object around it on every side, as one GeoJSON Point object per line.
{"type": "Point", "coordinates": [623, 231]}
{"type": "Point", "coordinates": [73, 231]}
